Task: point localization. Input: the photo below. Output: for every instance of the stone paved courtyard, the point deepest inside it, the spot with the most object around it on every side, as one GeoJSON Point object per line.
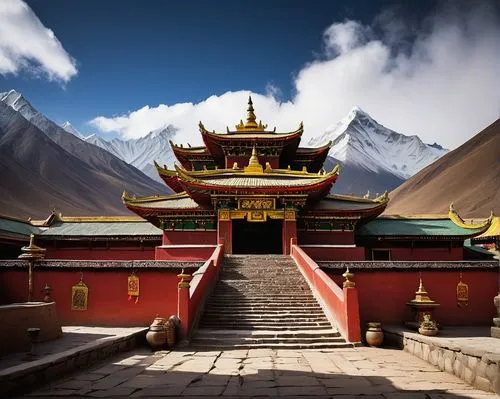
{"type": "Point", "coordinates": [339, 373]}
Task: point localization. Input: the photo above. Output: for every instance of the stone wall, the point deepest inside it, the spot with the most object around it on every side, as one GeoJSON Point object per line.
{"type": "Point", "coordinates": [476, 360]}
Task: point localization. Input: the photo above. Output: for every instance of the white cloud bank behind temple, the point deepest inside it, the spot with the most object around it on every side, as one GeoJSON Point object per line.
{"type": "Point", "coordinates": [26, 44]}
{"type": "Point", "coordinates": [443, 84]}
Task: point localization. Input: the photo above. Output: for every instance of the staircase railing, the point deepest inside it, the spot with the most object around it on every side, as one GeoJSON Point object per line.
{"type": "Point", "coordinates": [341, 303]}
{"type": "Point", "coordinates": [194, 290]}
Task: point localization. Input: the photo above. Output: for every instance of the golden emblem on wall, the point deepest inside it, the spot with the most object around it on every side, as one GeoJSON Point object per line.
{"type": "Point", "coordinates": [289, 215]}
{"type": "Point", "coordinates": [133, 288]}
{"type": "Point", "coordinates": [261, 203]}
{"type": "Point", "coordinates": [462, 294]}
{"type": "Point", "coordinates": [224, 215]}
{"type": "Point", "coordinates": [79, 296]}
{"type": "Point", "coordinates": [256, 216]}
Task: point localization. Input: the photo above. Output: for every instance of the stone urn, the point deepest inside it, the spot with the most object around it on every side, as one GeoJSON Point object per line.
{"type": "Point", "coordinates": [374, 335]}
{"type": "Point", "coordinates": [496, 301]}
{"type": "Point", "coordinates": [157, 334]}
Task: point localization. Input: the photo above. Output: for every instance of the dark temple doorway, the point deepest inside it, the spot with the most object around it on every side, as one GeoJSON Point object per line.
{"type": "Point", "coordinates": [257, 237]}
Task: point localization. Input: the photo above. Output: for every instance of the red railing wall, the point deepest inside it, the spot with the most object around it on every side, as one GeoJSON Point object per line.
{"type": "Point", "coordinates": [342, 304]}
{"type": "Point", "coordinates": [191, 300]}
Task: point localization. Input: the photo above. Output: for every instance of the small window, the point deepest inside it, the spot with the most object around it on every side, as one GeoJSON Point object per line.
{"type": "Point", "coordinates": [381, 254]}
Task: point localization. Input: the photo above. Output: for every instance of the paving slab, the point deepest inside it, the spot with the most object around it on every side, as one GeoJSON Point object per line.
{"type": "Point", "coordinates": [311, 373]}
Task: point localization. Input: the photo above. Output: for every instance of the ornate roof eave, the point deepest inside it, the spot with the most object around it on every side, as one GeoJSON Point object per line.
{"type": "Point", "coordinates": [137, 205]}
{"type": "Point", "coordinates": [191, 183]}
{"type": "Point", "coordinates": [195, 175]}
{"type": "Point", "coordinates": [455, 218]}
{"type": "Point", "coordinates": [169, 177]}
{"type": "Point", "coordinates": [492, 233]}
{"type": "Point", "coordinates": [365, 214]}
{"type": "Point", "coordinates": [192, 151]}
{"type": "Point", "coordinates": [307, 151]}
{"type": "Point", "coordinates": [254, 136]}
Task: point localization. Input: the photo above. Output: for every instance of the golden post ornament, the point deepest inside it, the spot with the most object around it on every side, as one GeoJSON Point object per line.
{"type": "Point", "coordinates": [462, 294]}
{"type": "Point", "coordinates": [79, 296]}
{"type": "Point", "coordinates": [133, 287]}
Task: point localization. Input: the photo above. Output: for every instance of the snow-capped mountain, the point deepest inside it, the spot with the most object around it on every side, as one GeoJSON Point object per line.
{"type": "Point", "coordinates": [361, 141]}
{"type": "Point", "coordinates": [18, 103]}
{"type": "Point", "coordinates": [142, 151]}
{"type": "Point", "coordinates": [71, 129]}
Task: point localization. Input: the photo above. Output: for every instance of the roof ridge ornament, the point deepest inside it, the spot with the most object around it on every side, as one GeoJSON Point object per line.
{"type": "Point", "coordinates": [254, 165]}
{"type": "Point", "coordinates": [460, 222]}
{"type": "Point", "coordinates": [250, 125]}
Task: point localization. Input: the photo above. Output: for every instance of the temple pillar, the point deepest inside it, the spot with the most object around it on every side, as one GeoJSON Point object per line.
{"type": "Point", "coordinates": [289, 230]}
{"type": "Point", "coordinates": [225, 230]}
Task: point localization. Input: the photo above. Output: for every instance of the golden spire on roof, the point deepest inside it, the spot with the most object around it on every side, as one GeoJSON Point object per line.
{"type": "Point", "coordinates": [254, 165]}
{"type": "Point", "coordinates": [251, 124]}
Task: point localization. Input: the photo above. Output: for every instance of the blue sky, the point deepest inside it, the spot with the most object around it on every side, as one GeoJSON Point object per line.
{"type": "Point", "coordinates": [131, 54]}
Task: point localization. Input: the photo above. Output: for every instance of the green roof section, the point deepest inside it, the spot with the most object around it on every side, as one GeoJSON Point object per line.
{"type": "Point", "coordinates": [398, 228]}
{"type": "Point", "coordinates": [16, 228]}
{"type": "Point", "coordinates": [101, 229]}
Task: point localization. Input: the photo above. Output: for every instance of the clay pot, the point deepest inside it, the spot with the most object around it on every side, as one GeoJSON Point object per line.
{"type": "Point", "coordinates": [157, 334]}
{"type": "Point", "coordinates": [374, 335]}
{"type": "Point", "coordinates": [428, 332]}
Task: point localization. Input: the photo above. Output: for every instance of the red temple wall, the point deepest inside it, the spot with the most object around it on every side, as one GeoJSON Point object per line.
{"type": "Point", "coordinates": [101, 253]}
{"type": "Point", "coordinates": [108, 303]}
{"type": "Point", "coordinates": [184, 252]}
{"type": "Point", "coordinates": [383, 295]}
{"type": "Point", "coordinates": [189, 237]}
{"type": "Point", "coordinates": [325, 237]}
{"type": "Point", "coordinates": [333, 254]}
{"type": "Point", "coordinates": [408, 253]}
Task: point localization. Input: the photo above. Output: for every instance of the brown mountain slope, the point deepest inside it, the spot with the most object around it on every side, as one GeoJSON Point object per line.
{"type": "Point", "coordinates": [37, 175]}
{"type": "Point", "coordinates": [469, 177]}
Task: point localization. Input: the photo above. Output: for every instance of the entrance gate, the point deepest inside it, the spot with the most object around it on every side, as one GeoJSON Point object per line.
{"type": "Point", "coordinates": [257, 238]}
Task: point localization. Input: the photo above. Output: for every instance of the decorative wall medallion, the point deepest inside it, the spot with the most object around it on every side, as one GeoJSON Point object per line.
{"type": "Point", "coordinates": [260, 203]}
{"type": "Point", "coordinates": [256, 216]}
{"type": "Point", "coordinates": [224, 215]}
{"type": "Point", "coordinates": [289, 215]}
{"type": "Point", "coordinates": [462, 294]}
{"type": "Point", "coordinates": [79, 296]}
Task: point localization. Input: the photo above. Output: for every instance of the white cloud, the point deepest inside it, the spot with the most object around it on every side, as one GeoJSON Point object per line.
{"type": "Point", "coordinates": [442, 85]}
{"type": "Point", "coordinates": [26, 44]}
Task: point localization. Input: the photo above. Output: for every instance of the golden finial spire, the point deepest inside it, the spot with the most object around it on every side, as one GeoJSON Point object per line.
{"type": "Point", "coordinates": [254, 165]}
{"type": "Point", "coordinates": [250, 125]}
{"type": "Point", "coordinates": [250, 114]}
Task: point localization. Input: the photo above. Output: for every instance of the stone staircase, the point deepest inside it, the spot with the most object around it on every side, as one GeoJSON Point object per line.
{"type": "Point", "coordinates": [263, 301]}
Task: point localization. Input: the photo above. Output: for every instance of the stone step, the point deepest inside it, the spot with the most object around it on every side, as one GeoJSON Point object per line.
{"type": "Point", "coordinates": [262, 308]}
{"type": "Point", "coordinates": [281, 321]}
{"type": "Point", "coordinates": [264, 314]}
{"type": "Point", "coordinates": [233, 341]}
{"type": "Point", "coordinates": [264, 302]}
{"type": "Point", "coordinates": [250, 307]}
{"type": "Point", "coordinates": [267, 326]}
{"type": "Point", "coordinates": [229, 334]}
{"type": "Point", "coordinates": [261, 297]}
{"type": "Point", "coordinates": [283, 345]}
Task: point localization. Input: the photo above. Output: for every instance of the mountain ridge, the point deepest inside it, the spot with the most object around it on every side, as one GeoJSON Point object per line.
{"type": "Point", "coordinates": [468, 176]}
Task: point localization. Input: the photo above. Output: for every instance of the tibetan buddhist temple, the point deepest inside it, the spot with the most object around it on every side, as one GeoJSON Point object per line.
{"type": "Point", "coordinates": [255, 189]}
{"type": "Point", "coordinates": [253, 220]}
